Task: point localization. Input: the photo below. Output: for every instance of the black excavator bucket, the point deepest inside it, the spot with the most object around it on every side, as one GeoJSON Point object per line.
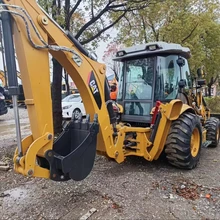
{"type": "Point", "coordinates": [74, 152]}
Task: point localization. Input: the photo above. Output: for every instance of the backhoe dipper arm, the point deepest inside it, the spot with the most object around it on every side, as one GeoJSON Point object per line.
{"type": "Point", "coordinates": [35, 35]}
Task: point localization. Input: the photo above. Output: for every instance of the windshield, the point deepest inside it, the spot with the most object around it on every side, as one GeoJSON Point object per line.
{"type": "Point", "coordinates": [167, 78]}
{"type": "Point", "coordinates": [72, 98]}
{"type": "Point", "coordinates": [138, 79]}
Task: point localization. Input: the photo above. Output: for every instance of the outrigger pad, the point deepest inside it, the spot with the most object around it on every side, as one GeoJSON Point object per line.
{"type": "Point", "coordinates": [74, 152]}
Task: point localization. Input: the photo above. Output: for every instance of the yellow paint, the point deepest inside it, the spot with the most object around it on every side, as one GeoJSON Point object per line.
{"type": "Point", "coordinates": [195, 142]}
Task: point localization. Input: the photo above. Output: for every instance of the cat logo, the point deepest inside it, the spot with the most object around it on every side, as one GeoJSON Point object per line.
{"type": "Point", "coordinates": [93, 87]}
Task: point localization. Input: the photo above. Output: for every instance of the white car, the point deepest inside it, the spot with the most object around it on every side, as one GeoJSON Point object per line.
{"type": "Point", "coordinates": [72, 104]}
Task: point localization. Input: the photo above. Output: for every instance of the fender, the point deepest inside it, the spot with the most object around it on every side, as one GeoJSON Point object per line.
{"type": "Point", "coordinates": [186, 108]}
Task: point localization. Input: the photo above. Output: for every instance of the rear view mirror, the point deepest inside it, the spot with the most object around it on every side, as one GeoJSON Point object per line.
{"type": "Point", "coordinates": [182, 83]}
{"type": "Point", "coordinates": [180, 61]}
{"type": "Point", "coordinates": [200, 73]}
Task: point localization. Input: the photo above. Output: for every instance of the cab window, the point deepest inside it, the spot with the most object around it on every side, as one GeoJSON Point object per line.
{"type": "Point", "coordinates": [167, 78]}
{"type": "Point", "coordinates": [139, 79]}
{"type": "Point", "coordinates": [186, 74]}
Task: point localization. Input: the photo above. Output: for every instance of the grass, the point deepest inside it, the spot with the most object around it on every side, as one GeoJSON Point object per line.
{"type": "Point", "coordinates": [213, 104]}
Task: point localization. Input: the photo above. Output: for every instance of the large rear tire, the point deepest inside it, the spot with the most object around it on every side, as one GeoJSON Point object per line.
{"type": "Point", "coordinates": [184, 141]}
{"type": "Point", "coordinates": [212, 126]}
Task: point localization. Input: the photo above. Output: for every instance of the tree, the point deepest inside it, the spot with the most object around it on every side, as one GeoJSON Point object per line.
{"type": "Point", "coordinates": [191, 23]}
{"type": "Point", "coordinates": [57, 74]}
{"type": "Point", "coordinates": [88, 26]}
{"type": "Point", "coordinates": [112, 66]}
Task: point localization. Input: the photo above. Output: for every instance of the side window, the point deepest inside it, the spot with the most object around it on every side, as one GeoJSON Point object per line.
{"type": "Point", "coordinates": [121, 82]}
{"type": "Point", "coordinates": [168, 76]}
{"type": "Point", "coordinates": [186, 74]}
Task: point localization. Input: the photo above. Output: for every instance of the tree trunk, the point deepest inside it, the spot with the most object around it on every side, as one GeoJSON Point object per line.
{"type": "Point", "coordinates": [56, 96]}
{"type": "Point", "coordinates": [209, 91]}
{"type": "Point", "coordinates": [66, 77]}
{"type": "Point", "coordinates": [206, 93]}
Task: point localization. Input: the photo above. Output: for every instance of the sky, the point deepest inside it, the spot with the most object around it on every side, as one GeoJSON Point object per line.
{"type": "Point", "coordinates": [99, 51]}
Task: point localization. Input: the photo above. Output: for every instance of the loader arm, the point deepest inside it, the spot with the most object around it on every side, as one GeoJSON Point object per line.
{"type": "Point", "coordinates": [72, 154]}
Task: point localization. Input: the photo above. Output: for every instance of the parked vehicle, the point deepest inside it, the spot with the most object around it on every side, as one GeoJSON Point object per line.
{"type": "Point", "coordinates": [73, 105]}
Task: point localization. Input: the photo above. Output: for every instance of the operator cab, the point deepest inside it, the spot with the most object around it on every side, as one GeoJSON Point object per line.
{"type": "Point", "coordinates": [151, 72]}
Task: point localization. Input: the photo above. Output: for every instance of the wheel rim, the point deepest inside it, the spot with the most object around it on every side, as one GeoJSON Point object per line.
{"type": "Point", "coordinates": [76, 114]}
{"type": "Point", "coordinates": [195, 142]}
{"type": "Point", "coordinates": [217, 135]}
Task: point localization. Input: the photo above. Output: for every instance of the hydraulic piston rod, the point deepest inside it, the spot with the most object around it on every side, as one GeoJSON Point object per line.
{"type": "Point", "coordinates": [12, 72]}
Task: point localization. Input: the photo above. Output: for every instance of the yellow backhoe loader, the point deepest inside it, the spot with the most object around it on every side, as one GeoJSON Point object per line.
{"type": "Point", "coordinates": [159, 110]}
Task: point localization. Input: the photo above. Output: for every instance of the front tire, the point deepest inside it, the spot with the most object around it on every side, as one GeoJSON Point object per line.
{"type": "Point", "coordinates": [184, 141]}
{"type": "Point", "coordinates": [212, 126]}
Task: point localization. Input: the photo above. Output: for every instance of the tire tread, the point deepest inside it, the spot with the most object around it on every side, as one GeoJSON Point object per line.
{"type": "Point", "coordinates": [177, 147]}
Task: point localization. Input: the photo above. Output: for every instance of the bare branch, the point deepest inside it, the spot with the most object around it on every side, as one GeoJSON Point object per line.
{"type": "Point", "coordinates": [190, 34]}
{"type": "Point", "coordinates": [129, 23]}
{"type": "Point", "coordinates": [54, 4]}
{"type": "Point", "coordinates": [214, 81]}
{"type": "Point", "coordinates": [115, 8]}
{"type": "Point", "coordinates": [92, 9]}
{"type": "Point", "coordinates": [92, 21]}
{"type": "Point", "coordinates": [151, 25]}
{"type": "Point", "coordinates": [59, 6]}
{"type": "Point", "coordinates": [144, 28]}
{"type": "Point", "coordinates": [130, 8]}
{"type": "Point", "coordinates": [103, 30]}
{"type": "Point", "coordinates": [71, 13]}
{"type": "Point", "coordinates": [102, 21]}
{"type": "Point", "coordinates": [66, 10]}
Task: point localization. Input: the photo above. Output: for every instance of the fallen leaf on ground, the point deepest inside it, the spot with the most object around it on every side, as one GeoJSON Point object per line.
{"type": "Point", "coordinates": [208, 196]}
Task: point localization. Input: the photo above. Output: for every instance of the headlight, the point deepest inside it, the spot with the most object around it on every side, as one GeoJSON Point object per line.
{"type": "Point", "coordinates": [67, 107]}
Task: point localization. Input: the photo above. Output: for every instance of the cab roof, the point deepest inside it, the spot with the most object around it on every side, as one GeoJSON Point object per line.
{"type": "Point", "coordinates": [153, 48]}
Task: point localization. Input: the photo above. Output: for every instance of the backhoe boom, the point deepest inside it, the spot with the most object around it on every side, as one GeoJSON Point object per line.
{"type": "Point", "coordinates": [32, 47]}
